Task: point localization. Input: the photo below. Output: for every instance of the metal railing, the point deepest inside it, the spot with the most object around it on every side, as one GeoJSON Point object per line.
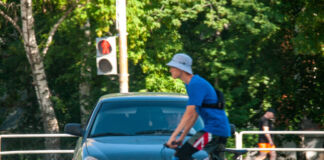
{"type": "Point", "coordinates": [33, 151]}
{"type": "Point", "coordinates": [238, 142]}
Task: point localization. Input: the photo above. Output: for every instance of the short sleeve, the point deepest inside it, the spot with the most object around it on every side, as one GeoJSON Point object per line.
{"type": "Point", "coordinates": [265, 122]}
{"type": "Point", "coordinates": [196, 94]}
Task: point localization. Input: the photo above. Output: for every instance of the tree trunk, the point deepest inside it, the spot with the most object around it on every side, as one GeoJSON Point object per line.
{"type": "Point", "coordinates": [49, 120]}
{"type": "Point", "coordinates": [84, 87]}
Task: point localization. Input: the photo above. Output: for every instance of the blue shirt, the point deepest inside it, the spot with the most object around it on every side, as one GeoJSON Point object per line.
{"type": "Point", "coordinates": [200, 91]}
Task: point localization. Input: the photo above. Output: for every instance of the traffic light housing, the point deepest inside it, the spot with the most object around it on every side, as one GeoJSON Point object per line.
{"type": "Point", "coordinates": [106, 56]}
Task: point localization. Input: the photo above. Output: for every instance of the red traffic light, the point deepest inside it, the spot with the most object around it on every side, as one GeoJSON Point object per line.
{"type": "Point", "coordinates": [106, 57]}
{"type": "Point", "coordinates": [104, 47]}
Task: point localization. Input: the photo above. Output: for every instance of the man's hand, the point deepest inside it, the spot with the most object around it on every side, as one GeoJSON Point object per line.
{"type": "Point", "coordinates": [173, 144]}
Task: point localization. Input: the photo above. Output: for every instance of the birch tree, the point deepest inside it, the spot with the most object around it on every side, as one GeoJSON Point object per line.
{"type": "Point", "coordinates": [85, 71]}
{"type": "Point", "coordinates": [35, 59]}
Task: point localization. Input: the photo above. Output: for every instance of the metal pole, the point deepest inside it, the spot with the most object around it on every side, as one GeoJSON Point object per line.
{"type": "Point", "coordinates": [123, 63]}
{"type": "Point", "coordinates": [0, 146]}
{"type": "Point", "coordinates": [238, 142]}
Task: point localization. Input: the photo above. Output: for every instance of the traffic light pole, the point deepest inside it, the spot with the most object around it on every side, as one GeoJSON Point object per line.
{"type": "Point", "coordinates": [123, 63]}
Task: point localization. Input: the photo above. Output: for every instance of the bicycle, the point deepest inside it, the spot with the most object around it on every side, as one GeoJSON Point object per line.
{"type": "Point", "coordinates": [237, 153]}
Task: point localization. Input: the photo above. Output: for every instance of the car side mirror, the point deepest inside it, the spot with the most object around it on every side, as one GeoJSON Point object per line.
{"type": "Point", "coordinates": [74, 129]}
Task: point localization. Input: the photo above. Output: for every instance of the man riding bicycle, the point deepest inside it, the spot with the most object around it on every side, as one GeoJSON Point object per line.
{"type": "Point", "coordinates": [202, 101]}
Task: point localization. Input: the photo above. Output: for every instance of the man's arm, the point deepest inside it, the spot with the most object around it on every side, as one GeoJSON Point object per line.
{"type": "Point", "coordinates": [192, 117]}
{"type": "Point", "coordinates": [187, 121]}
{"type": "Point", "coordinates": [268, 136]}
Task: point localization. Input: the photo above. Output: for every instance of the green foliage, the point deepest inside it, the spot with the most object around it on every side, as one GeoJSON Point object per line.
{"type": "Point", "coordinates": [309, 22]}
{"type": "Point", "coordinates": [260, 53]}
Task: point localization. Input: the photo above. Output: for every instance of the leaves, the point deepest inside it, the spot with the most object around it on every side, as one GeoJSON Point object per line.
{"type": "Point", "coordinates": [256, 52]}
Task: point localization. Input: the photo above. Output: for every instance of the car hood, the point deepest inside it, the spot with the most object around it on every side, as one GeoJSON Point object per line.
{"type": "Point", "coordinates": [130, 148]}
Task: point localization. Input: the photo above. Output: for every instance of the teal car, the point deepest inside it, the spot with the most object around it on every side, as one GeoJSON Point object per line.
{"type": "Point", "coordinates": [132, 126]}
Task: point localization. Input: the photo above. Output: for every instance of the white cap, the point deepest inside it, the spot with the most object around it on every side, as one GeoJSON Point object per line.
{"type": "Point", "coordinates": [181, 61]}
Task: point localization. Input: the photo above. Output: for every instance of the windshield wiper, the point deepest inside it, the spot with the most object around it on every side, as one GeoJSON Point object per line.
{"type": "Point", "coordinates": [156, 131]}
{"type": "Point", "coordinates": [109, 134]}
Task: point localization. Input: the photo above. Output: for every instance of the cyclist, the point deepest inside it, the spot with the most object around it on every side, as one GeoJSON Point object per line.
{"type": "Point", "coordinates": [202, 101]}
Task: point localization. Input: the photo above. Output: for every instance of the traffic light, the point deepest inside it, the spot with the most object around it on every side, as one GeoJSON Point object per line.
{"type": "Point", "coordinates": [106, 56]}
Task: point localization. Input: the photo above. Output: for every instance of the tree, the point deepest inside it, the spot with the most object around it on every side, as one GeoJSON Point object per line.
{"type": "Point", "coordinates": [260, 53]}
{"type": "Point", "coordinates": [249, 49]}
{"type": "Point", "coordinates": [35, 59]}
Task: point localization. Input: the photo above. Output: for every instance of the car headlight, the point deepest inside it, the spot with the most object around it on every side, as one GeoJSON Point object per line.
{"type": "Point", "coordinates": [90, 158]}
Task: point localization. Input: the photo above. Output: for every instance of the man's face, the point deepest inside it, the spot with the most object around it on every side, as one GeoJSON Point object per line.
{"type": "Point", "coordinates": [175, 72]}
{"type": "Point", "coordinates": [271, 115]}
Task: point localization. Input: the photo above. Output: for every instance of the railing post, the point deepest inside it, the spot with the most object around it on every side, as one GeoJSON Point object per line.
{"type": "Point", "coordinates": [0, 146]}
{"type": "Point", "coordinates": [238, 142]}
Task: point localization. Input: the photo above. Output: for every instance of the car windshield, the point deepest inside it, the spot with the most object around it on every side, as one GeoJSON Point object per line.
{"type": "Point", "coordinates": [140, 118]}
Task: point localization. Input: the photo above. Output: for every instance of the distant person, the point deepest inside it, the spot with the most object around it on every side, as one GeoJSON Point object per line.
{"type": "Point", "coordinates": [266, 141]}
{"type": "Point", "coordinates": [202, 101]}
